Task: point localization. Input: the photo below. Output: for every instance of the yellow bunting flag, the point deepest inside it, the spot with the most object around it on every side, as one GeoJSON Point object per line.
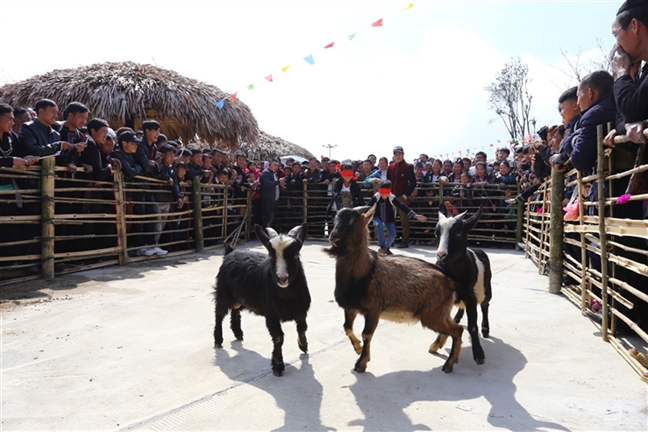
{"type": "Point", "coordinates": [409, 6]}
{"type": "Point", "coordinates": [285, 68]}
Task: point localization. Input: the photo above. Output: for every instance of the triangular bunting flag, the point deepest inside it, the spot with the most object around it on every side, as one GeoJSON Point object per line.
{"type": "Point", "coordinates": [409, 6]}
{"type": "Point", "coordinates": [309, 59]}
{"type": "Point", "coordinates": [220, 104]}
{"type": "Point", "coordinates": [285, 68]}
{"type": "Point", "coordinates": [467, 151]}
{"type": "Point", "coordinates": [377, 23]}
{"type": "Point", "coordinates": [351, 36]}
{"type": "Point", "coordinates": [269, 78]}
{"type": "Point", "coordinates": [250, 87]}
{"type": "Point", "coordinates": [329, 45]}
{"type": "Point", "coordinates": [233, 96]}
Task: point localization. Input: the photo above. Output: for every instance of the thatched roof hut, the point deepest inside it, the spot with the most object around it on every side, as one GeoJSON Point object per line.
{"type": "Point", "coordinates": [128, 93]}
{"type": "Point", "coordinates": [270, 146]}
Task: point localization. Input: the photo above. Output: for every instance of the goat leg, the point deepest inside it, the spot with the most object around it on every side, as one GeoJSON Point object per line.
{"type": "Point", "coordinates": [455, 331]}
{"type": "Point", "coordinates": [235, 324]}
{"type": "Point", "coordinates": [349, 317]}
{"type": "Point", "coordinates": [471, 311]}
{"type": "Point", "coordinates": [371, 322]}
{"type": "Point", "coordinates": [274, 327]}
{"type": "Point", "coordinates": [459, 315]}
{"type": "Point", "coordinates": [301, 334]}
{"type": "Point", "coordinates": [438, 343]}
{"type": "Point", "coordinates": [485, 327]}
{"type": "Point", "coordinates": [220, 312]}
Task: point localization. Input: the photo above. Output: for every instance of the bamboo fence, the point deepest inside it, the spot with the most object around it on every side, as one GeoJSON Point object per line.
{"type": "Point", "coordinates": [55, 222]}
{"type": "Point", "coordinates": [602, 254]}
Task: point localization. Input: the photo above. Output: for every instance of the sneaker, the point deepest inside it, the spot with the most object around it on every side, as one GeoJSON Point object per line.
{"type": "Point", "coordinates": [382, 251]}
{"type": "Point", "coordinates": [389, 252]}
{"type": "Point", "coordinates": [402, 245]}
{"type": "Point", "coordinates": [141, 252]}
{"type": "Point", "coordinates": [159, 251]}
{"type": "Point", "coordinates": [148, 252]}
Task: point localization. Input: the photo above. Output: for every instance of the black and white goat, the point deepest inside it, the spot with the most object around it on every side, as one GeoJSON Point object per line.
{"type": "Point", "coordinates": [395, 288]}
{"type": "Point", "coordinates": [272, 286]}
{"type": "Point", "coordinates": [470, 268]}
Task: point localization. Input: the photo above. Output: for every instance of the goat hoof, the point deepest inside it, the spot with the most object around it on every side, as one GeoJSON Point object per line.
{"type": "Point", "coordinates": [359, 368]}
{"type": "Point", "coordinates": [433, 348]}
{"type": "Point", "coordinates": [277, 373]}
{"type": "Point", "coordinates": [304, 348]}
{"type": "Point", "coordinates": [447, 368]}
{"type": "Point", "coordinates": [485, 333]}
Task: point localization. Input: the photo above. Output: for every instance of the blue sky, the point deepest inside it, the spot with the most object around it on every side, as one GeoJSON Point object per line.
{"type": "Point", "coordinates": [417, 81]}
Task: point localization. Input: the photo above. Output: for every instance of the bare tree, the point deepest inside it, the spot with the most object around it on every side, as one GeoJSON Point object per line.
{"type": "Point", "coordinates": [575, 69]}
{"type": "Point", "coordinates": [510, 99]}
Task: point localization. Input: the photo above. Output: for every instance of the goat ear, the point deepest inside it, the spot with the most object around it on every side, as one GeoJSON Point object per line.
{"type": "Point", "coordinates": [272, 233]}
{"type": "Point", "coordinates": [261, 234]}
{"type": "Point", "coordinates": [443, 211]}
{"type": "Point", "coordinates": [470, 222]}
{"type": "Point", "coordinates": [460, 216]}
{"type": "Point", "coordinates": [362, 209]}
{"type": "Point", "coordinates": [299, 233]}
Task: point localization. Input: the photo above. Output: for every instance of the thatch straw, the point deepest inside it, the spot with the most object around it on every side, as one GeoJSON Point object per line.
{"type": "Point", "coordinates": [270, 146]}
{"type": "Point", "coordinates": [128, 93]}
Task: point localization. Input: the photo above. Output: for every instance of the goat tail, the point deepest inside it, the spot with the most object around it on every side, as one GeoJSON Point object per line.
{"type": "Point", "coordinates": [228, 249]}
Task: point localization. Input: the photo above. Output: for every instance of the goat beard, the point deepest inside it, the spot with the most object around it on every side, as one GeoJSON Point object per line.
{"type": "Point", "coordinates": [336, 251]}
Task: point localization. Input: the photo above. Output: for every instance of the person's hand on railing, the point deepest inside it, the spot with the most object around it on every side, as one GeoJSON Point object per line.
{"type": "Point", "coordinates": [72, 168]}
{"type": "Point", "coordinates": [87, 168]}
{"type": "Point", "coordinates": [636, 132]}
{"type": "Point", "coordinates": [609, 138]}
{"type": "Point", "coordinates": [115, 164]}
{"type": "Point", "coordinates": [510, 201]}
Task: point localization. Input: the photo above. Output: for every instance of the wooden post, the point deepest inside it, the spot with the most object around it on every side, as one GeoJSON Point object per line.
{"type": "Point", "coordinates": [520, 221]}
{"type": "Point", "coordinates": [250, 192]}
{"type": "Point", "coordinates": [556, 233]}
{"type": "Point", "coordinates": [197, 215]}
{"type": "Point", "coordinates": [305, 196]}
{"type": "Point", "coordinates": [120, 210]}
{"type": "Point", "coordinates": [600, 168]}
{"type": "Point", "coordinates": [47, 217]}
{"type": "Point", "coordinates": [225, 209]}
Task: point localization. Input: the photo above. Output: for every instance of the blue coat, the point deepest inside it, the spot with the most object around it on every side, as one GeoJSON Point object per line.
{"type": "Point", "coordinates": [583, 156]}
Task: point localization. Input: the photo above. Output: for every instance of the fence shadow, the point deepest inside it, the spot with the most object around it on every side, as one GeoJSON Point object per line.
{"type": "Point", "coordinates": [298, 394]}
{"type": "Point", "coordinates": [385, 410]}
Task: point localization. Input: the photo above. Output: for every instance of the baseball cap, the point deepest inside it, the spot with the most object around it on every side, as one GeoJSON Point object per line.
{"type": "Point", "coordinates": [128, 136]}
{"type": "Point", "coordinates": [398, 149]}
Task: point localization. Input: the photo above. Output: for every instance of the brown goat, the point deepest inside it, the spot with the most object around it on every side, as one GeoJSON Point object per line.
{"type": "Point", "coordinates": [391, 287]}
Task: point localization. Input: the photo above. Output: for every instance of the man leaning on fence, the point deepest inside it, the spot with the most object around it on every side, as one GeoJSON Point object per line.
{"type": "Point", "coordinates": [630, 93]}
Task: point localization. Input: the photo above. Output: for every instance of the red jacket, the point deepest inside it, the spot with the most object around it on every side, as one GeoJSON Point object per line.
{"type": "Point", "coordinates": [402, 178]}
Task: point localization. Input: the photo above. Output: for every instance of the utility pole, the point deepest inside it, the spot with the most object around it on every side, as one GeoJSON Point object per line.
{"type": "Point", "coordinates": [329, 147]}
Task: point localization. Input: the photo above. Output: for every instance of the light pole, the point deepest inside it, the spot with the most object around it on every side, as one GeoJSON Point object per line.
{"type": "Point", "coordinates": [329, 147]}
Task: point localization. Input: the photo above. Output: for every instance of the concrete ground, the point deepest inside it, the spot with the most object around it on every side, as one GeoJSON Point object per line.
{"type": "Point", "coordinates": [132, 348]}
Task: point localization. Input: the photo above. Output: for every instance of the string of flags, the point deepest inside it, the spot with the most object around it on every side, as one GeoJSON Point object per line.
{"type": "Point", "coordinates": [310, 58]}
{"type": "Point", "coordinates": [491, 149]}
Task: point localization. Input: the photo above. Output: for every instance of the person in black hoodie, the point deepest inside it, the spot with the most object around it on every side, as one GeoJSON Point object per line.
{"type": "Point", "coordinates": [346, 191]}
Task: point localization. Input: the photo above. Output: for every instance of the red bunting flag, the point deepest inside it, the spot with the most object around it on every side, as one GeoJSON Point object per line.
{"type": "Point", "coordinates": [269, 78]}
{"type": "Point", "coordinates": [377, 23]}
{"type": "Point", "coordinates": [329, 45]}
{"type": "Point", "coordinates": [233, 96]}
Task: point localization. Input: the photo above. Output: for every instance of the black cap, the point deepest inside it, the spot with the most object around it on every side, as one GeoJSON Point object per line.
{"type": "Point", "coordinates": [128, 136]}
{"type": "Point", "coordinates": [398, 149]}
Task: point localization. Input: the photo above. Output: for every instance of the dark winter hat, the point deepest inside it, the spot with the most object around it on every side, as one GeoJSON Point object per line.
{"type": "Point", "coordinates": [398, 149]}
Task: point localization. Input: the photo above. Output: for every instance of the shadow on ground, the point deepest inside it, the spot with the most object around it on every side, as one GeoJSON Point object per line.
{"type": "Point", "coordinates": [298, 393]}
{"type": "Point", "coordinates": [385, 410]}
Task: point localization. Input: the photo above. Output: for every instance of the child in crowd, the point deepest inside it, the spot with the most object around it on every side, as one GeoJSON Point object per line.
{"type": "Point", "coordinates": [346, 191]}
{"type": "Point", "coordinates": [385, 215]}
{"type": "Point", "coordinates": [505, 176]}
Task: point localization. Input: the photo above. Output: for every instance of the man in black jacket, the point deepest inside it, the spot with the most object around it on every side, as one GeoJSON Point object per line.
{"type": "Point", "coordinates": [269, 190]}
{"type": "Point", "coordinates": [37, 137]}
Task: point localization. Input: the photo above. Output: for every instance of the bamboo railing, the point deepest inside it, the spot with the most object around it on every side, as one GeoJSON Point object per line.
{"type": "Point", "coordinates": [55, 222]}
{"type": "Point", "coordinates": [605, 263]}
{"type": "Point", "coordinates": [498, 225]}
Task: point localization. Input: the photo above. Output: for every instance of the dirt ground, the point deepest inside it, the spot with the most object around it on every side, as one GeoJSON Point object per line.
{"type": "Point", "coordinates": [132, 348]}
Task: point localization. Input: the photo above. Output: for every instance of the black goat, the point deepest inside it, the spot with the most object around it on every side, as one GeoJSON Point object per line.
{"type": "Point", "coordinates": [470, 268]}
{"type": "Point", "coordinates": [392, 287]}
{"type": "Point", "coordinates": [274, 287]}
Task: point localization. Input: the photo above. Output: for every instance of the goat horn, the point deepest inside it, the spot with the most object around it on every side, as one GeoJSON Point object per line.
{"type": "Point", "coordinates": [460, 216]}
{"type": "Point", "coordinates": [362, 209]}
